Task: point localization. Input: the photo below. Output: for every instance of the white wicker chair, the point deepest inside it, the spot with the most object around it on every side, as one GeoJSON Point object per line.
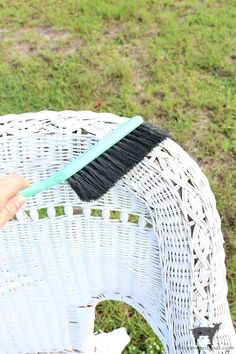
{"type": "Point", "coordinates": [167, 263]}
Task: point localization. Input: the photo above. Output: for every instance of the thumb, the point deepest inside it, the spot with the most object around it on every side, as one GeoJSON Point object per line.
{"type": "Point", "coordinates": [10, 209]}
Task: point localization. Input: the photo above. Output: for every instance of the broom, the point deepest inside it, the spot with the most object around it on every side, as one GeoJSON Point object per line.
{"type": "Point", "coordinates": [95, 171]}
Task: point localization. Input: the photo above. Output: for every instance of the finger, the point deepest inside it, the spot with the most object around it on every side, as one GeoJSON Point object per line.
{"type": "Point", "coordinates": [10, 209]}
{"type": "Point", "coordinates": [9, 186]}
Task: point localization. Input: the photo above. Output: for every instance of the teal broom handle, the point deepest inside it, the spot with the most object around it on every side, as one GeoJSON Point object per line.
{"type": "Point", "coordinates": [84, 159]}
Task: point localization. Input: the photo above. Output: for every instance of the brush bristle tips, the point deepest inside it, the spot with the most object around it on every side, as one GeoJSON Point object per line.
{"type": "Point", "coordinates": [98, 177]}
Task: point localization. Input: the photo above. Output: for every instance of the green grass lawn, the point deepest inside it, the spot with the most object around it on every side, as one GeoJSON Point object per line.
{"type": "Point", "coordinates": [173, 62]}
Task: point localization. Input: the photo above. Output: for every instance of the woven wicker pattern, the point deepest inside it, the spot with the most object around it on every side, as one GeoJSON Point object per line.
{"type": "Point", "coordinates": [161, 252]}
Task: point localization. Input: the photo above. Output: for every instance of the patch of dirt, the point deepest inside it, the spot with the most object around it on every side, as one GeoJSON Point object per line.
{"type": "Point", "coordinates": [113, 32]}
{"type": "Point", "coordinates": [232, 58]}
{"type": "Point", "coordinates": [204, 120]}
{"type": "Point", "coordinates": [30, 41]}
{"type": "Point", "coordinates": [193, 141]}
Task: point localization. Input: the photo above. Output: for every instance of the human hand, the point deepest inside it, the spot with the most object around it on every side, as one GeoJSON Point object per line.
{"type": "Point", "coordinates": [10, 203]}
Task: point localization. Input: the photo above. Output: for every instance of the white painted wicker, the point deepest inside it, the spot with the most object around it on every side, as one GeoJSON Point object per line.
{"type": "Point", "coordinates": [168, 262]}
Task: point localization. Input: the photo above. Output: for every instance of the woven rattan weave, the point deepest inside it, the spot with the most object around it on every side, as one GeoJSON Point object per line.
{"type": "Point", "coordinates": [153, 241]}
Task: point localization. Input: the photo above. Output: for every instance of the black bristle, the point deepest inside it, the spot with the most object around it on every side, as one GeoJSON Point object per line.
{"type": "Point", "coordinates": [100, 175]}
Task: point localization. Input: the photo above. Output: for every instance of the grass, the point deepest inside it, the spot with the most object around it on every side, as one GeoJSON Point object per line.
{"type": "Point", "coordinates": [173, 62]}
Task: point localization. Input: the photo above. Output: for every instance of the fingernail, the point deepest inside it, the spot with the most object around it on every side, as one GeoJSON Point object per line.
{"type": "Point", "coordinates": [19, 201]}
